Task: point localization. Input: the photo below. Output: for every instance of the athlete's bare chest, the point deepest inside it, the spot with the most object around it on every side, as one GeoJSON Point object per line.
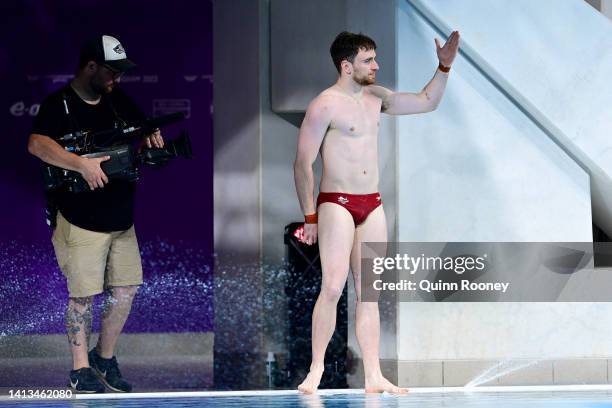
{"type": "Point", "coordinates": [357, 117]}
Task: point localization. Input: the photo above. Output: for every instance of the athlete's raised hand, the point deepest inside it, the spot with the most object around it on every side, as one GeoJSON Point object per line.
{"type": "Point", "coordinates": [447, 54]}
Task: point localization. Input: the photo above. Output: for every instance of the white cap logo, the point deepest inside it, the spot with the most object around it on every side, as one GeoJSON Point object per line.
{"type": "Point", "coordinates": [113, 50]}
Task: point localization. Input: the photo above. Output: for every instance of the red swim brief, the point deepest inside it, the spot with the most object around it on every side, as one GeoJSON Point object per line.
{"type": "Point", "coordinates": [358, 205]}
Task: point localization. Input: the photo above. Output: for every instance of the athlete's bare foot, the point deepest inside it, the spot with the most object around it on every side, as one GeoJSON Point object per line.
{"type": "Point", "coordinates": [380, 384]}
{"type": "Point", "coordinates": [311, 383]}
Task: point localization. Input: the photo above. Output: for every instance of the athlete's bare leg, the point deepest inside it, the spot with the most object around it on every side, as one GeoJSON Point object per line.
{"type": "Point", "coordinates": [367, 324]}
{"type": "Point", "coordinates": [336, 231]}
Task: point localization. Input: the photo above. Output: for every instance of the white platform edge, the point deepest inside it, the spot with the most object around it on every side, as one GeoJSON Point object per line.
{"type": "Point", "coordinates": [416, 390]}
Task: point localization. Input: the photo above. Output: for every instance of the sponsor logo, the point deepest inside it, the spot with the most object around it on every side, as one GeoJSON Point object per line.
{"type": "Point", "coordinates": [150, 79]}
{"type": "Point", "coordinates": [166, 106]}
{"type": "Point", "coordinates": [193, 78]}
{"type": "Point", "coordinates": [54, 78]}
{"type": "Point", "coordinates": [343, 200]}
{"type": "Point", "coordinates": [19, 109]}
{"type": "Point", "coordinates": [63, 78]}
{"type": "Point", "coordinates": [130, 79]}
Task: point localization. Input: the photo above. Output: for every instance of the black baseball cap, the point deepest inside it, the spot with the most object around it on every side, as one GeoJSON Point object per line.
{"type": "Point", "coordinates": [106, 50]}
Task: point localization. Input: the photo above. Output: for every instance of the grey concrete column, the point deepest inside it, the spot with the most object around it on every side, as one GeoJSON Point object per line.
{"type": "Point", "coordinates": [237, 171]}
{"type": "Point", "coordinates": [606, 8]}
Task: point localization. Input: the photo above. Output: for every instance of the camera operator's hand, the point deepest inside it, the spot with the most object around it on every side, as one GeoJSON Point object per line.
{"type": "Point", "coordinates": [155, 140]}
{"type": "Point", "coordinates": [92, 172]}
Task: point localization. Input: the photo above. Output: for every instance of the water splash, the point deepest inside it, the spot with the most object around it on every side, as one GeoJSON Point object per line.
{"type": "Point", "coordinates": [500, 369]}
{"type": "Point", "coordinates": [177, 294]}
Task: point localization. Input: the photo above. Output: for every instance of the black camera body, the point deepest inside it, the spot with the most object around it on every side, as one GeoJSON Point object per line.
{"type": "Point", "coordinates": [120, 165]}
{"type": "Point", "coordinates": [124, 161]}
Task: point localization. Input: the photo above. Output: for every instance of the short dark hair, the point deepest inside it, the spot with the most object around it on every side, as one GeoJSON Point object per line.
{"type": "Point", "coordinates": [347, 45]}
{"type": "Point", "coordinates": [83, 61]}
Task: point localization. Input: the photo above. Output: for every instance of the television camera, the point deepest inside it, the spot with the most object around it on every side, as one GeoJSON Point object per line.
{"type": "Point", "coordinates": [125, 161]}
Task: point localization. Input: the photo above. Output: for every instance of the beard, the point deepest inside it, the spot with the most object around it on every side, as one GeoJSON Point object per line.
{"type": "Point", "coordinates": [365, 80]}
{"type": "Point", "coordinates": [100, 88]}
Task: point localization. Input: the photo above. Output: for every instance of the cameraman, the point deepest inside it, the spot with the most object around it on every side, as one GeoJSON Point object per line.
{"type": "Point", "coordinates": [94, 239]}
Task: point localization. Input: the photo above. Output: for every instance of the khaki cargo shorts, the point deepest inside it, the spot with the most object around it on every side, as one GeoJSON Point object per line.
{"type": "Point", "coordinates": [93, 261]}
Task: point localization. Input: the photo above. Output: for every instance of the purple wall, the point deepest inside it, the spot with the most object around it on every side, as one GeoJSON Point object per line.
{"type": "Point", "coordinates": [173, 47]}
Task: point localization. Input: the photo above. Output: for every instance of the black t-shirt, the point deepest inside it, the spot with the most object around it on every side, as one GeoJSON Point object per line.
{"type": "Point", "coordinates": [104, 209]}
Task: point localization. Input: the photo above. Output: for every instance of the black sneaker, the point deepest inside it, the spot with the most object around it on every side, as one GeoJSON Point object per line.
{"type": "Point", "coordinates": [108, 372]}
{"type": "Point", "coordinates": [85, 380]}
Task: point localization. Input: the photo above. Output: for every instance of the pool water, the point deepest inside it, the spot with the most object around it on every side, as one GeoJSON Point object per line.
{"type": "Point", "coordinates": [547, 399]}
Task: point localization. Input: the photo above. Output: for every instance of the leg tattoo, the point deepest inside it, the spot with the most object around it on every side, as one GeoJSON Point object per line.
{"type": "Point", "coordinates": [78, 319]}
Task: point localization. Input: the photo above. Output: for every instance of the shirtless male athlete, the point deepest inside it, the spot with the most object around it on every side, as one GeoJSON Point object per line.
{"type": "Point", "coordinates": [342, 123]}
